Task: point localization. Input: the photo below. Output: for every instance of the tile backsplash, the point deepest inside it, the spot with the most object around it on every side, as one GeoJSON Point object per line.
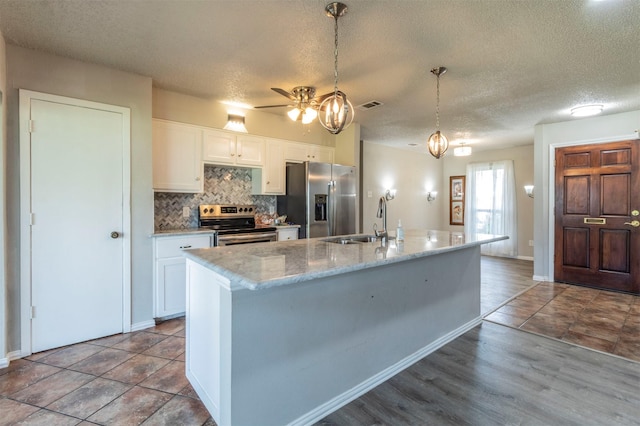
{"type": "Point", "coordinates": [222, 185]}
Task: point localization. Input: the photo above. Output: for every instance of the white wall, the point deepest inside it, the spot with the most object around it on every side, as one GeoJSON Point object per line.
{"type": "Point", "coordinates": [176, 106]}
{"type": "Point", "coordinates": [29, 69]}
{"type": "Point", "coordinates": [412, 175]}
{"type": "Point", "coordinates": [3, 219]}
{"type": "Point", "coordinates": [606, 128]}
{"type": "Point", "coordinates": [522, 157]}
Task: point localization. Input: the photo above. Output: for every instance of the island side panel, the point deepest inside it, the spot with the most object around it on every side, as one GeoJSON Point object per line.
{"type": "Point", "coordinates": [208, 339]}
{"type": "Point", "coordinates": [302, 350]}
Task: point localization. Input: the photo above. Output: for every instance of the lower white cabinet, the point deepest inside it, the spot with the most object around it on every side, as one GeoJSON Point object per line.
{"type": "Point", "coordinates": [169, 271]}
{"type": "Point", "coordinates": [287, 233]}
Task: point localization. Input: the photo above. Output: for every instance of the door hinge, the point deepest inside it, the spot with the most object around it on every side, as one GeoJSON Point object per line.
{"type": "Point", "coordinates": [33, 312]}
{"type": "Point", "coordinates": [32, 219]}
{"type": "Point", "coordinates": [31, 126]}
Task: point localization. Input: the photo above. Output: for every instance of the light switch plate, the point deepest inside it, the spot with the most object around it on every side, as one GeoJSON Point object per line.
{"type": "Point", "coordinates": [186, 212]}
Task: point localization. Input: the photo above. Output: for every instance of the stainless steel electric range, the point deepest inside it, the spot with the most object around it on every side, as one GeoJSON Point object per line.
{"type": "Point", "coordinates": [234, 224]}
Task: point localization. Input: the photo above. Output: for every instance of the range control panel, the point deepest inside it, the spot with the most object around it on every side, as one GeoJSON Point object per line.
{"type": "Point", "coordinates": [209, 211]}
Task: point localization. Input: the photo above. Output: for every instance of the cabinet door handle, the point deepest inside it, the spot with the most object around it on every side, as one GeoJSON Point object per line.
{"type": "Point", "coordinates": [197, 178]}
{"type": "Point", "coordinates": [185, 247]}
{"type": "Point", "coordinates": [115, 234]}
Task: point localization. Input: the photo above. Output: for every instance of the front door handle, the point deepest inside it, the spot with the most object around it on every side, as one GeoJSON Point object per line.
{"type": "Point", "coordinates": [634, 223]}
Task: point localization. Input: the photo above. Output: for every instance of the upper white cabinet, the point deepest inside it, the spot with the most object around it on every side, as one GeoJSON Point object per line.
{"type": "Point", "coordinates": [271, 178]}
{"type": "Point", "coordinates": [177, 157]}
{"type": "Point", "coordinates": [221, 147]}
{"type": "Point", "coordinates": [299, 152]}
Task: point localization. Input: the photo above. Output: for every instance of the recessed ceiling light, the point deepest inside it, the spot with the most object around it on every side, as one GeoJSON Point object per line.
{"type": "Point", "coordinates": [586, 110]}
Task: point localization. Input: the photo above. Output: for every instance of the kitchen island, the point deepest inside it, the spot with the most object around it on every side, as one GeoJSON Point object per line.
{"type": "Point", "coordinates": [288, 332]}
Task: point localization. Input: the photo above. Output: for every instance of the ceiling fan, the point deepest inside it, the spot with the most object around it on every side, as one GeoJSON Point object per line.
{"type": "Point", "coordinates": [304, 102]}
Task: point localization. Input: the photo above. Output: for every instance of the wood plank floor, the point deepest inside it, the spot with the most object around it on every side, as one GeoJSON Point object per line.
{"type": "Point", "coordinates": [496, 375]}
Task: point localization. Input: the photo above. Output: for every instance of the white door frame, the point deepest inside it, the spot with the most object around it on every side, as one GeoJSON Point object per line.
{"type": "Point", "coordinates": [26, 96]}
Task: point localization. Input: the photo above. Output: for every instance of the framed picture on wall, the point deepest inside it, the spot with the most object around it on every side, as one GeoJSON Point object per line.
{"type": "Point", "coordinates": [456, 200]}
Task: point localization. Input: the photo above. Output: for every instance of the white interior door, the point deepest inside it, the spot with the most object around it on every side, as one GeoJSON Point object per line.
{"type": "Point", "coordinates": [76, 205]}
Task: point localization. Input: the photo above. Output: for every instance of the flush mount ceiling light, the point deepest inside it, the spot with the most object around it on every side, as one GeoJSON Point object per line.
{"type": "Point", "coordinates": [336, 111]}
{"type": "Point", "coordinates": [236, 123]}
{"type": "Point", "coordinates": [586, 110]}
{"type": "Point", "coordinates": [438, 143]}
{"type": "Point", "coordinates": [462, 150]}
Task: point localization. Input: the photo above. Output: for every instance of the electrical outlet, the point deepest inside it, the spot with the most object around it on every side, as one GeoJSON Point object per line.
{"type": "Point", "coordinates": [530, 243]}
{"type": "Point", "coordinates": [186, 211]}
{"type": "Point", "coordinates": [369, 194]}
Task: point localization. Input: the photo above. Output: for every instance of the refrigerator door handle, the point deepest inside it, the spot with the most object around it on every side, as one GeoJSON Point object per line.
{"type": "Point", "coordinates": [331, 207]}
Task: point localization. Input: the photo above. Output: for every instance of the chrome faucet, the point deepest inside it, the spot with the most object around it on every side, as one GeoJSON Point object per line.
{"type": "Point", "coordinates": [382, 213]}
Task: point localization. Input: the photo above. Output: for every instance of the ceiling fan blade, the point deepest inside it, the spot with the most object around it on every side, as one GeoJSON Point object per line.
{"type": "Point", "coordinates": [271, 106]}
{"type": "Point", "coordinates": [319, 99]}
{"type": "Point", "coordinates": [283, 93]}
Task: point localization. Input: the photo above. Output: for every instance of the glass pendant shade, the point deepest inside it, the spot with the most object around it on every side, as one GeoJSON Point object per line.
{"type": "Point", "coordinates": [336, 112]}
{"type": "Point", "coordinates": [437, 144]}
{"type": "Point", "coordinates": [309, 115]}
{"type": "Point", "coordinates": [294, 114]}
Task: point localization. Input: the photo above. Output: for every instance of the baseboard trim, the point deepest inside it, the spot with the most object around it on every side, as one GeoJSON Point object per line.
{"type": "Point", "coordinates": [530, 258]}
{"type": "Point", "coordinates": [540, 278]}
{"type": "Point", "coordinates": [143, 325]}
{"type": "Point", "coordinates": [343, 399]}
{"type": "Point", "coordinates": [4, 362]}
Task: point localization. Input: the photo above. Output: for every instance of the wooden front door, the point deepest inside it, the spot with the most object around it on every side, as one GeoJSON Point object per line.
{"type": "Point", "coordinates": [597, 206]}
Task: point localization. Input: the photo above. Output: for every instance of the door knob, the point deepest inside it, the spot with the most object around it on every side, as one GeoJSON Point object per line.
{"type": "Point", "coordinates": [114, 234]}
{"type": "Point", "coordinates": [634, 223]}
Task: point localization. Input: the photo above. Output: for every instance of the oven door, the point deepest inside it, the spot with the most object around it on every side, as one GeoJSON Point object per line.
{"type": "Point", "coordinates": [254, 237]}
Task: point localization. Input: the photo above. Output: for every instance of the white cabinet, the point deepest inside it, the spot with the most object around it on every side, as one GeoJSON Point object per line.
{"type": "Point", "coordinates": [271, 178]}
{"type": "Point", "coordinates": [177, 157]}
{"type": "Point", "coordinates": [288, 233]}
{"type": "Point", "coordinates": [299, 152]}
{"type": "Point", "coordinates": [221, 147]}
{"type": "Point", "coordinates": [169, 272]}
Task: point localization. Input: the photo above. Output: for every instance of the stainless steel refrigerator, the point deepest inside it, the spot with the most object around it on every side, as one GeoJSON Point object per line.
{"type": "Point", "coordinates": [321, 197]}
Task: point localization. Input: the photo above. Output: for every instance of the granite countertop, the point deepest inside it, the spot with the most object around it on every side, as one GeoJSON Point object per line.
{"type": "Point", "coordinates": [265, 265]}
{"type": "Point", "coordinates": [176, 232]}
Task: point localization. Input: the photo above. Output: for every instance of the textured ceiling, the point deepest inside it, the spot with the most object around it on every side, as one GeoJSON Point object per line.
{"type": "Point", "coordinates": [512, 64]}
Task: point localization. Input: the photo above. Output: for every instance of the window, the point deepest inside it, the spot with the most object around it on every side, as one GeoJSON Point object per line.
{"type": "Point", "coordinates": [491, 205]}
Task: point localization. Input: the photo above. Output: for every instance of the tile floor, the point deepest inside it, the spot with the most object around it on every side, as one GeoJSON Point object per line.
{"type": "Point", "coordinates": [130, 379]}
{"type": "Point", "coordinates": [602, 320]}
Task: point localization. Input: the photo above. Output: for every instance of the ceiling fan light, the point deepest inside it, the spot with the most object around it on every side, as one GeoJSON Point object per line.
{"type": "Point", "coordinates": [294, 114]}
{"type": "Point", "coordinates": [309, 115]}
{"type": "Point", "coordinates": [437, 144]}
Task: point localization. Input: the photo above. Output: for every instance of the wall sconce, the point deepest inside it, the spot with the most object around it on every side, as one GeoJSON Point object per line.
{"type": "Point", "coordinates": [431, 195]}
{"type": "Point", "coordinates": [529, 190]}
{"type": "Point", "coordinates": [390, 194]}
{"type": "Point", "coordinates": [236, 123]}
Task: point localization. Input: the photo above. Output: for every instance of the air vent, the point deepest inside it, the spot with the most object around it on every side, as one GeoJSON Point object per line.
{"type": "Point", "coordinates": [369, 105]}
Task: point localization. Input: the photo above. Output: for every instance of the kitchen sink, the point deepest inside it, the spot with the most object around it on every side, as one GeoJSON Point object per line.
{"type": "Point", "coordinates": [352, 239]}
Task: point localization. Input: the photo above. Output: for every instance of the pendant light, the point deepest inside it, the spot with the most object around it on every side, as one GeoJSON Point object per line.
{"type": "Point", "coordinates": [336, 112]}
{"type": "Point", "coordinates": [438, 143]}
